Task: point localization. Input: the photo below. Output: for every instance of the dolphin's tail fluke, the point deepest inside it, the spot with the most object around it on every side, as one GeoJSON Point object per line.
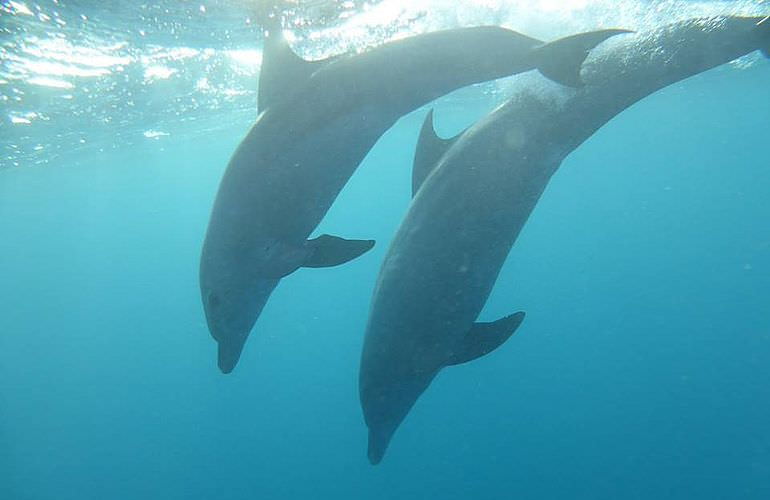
{"type": "Point", "coordinates": [229, 354]}
{"type": "Point", "coordinates": [562, 59]}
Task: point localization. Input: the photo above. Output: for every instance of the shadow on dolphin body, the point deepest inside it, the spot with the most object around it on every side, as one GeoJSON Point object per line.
{"type": "Point", "coordinates": [475, 192]}
{"type": "Point", "coordinates": [318, 121]}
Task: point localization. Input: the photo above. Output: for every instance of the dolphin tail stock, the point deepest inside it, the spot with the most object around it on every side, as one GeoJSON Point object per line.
{"type": "Point", "coordinates": [484, 338]}
{"type": "Point", "coordinates": [430, 148]}
{"type": "Point", "coordinates": [562, 59]}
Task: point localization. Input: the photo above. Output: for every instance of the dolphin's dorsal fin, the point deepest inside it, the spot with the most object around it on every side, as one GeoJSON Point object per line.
{"type": "Point", "coordinates": [283, 71]}
{"type": "Point", "coordinates": [329, 251]}
{"type": "Point", "coordinates": [430, 148]}
{"type": "Point", "coordinates": [562, 59]}
{"type": "Point", "coordinates": [484, 338]}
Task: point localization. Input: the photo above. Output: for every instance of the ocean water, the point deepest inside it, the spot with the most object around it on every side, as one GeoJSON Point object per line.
{"type": "Point", "coordinates": [641, 370]}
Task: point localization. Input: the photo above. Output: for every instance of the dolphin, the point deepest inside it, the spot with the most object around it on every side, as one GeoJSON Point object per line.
{"type": "Point", "coordinates": [318, 120]}
{"type": "Point", "coordinates": [475, 192]}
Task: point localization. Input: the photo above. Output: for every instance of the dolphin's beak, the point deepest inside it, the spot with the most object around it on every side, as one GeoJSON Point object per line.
{"type": "Point", "coordinates": [378, 443]}
{"type": "Point", "coordinates": [229, 354]}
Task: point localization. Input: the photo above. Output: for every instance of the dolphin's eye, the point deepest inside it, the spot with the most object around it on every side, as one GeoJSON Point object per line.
{"type": "Point", "coordinates": [214, 300]}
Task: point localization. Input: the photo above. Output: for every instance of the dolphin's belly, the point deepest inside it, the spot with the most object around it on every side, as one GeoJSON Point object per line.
{"type": "Point", "coordinates": [431, 288]}
{"type": "Point", "coordinates": [447, 254]}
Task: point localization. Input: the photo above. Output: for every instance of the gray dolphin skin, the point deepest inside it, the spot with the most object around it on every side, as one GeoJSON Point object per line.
{"type": "Point", "coordinates": [475, 192]}
{"type": "Point", "coordinates": [318, 120]}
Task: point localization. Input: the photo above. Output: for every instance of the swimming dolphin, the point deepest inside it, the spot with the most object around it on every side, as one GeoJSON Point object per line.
{"type": "Point", "coordinates": [474, 194]}
{"type": "Point", "coordinates": [318, 121]}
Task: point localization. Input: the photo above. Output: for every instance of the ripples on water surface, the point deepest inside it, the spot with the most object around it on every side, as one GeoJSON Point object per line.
{"type": "Point", "coordinates": [88, 75]}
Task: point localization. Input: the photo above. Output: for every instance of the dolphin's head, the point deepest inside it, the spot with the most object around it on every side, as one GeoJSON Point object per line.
{"type": "Point", "coordinates": [386, 402]}
{"type": "Point", "coordinates": [232, 298]}
{"type": "Point", "coordinates": [379, 439]}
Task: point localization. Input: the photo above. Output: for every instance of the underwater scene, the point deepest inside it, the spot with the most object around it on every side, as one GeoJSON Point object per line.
{"type": "Point", "coordinates": [384, 249]}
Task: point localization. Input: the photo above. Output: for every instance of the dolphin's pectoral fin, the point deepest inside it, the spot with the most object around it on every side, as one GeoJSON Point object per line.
{"type": "Point", "coordinates": [329, 251]}
{"type": "Point", "coordinates": [282, 70]}
{"type": "Point", "coordinates": [484, 338]}
{"type": "Point", "coordinates": [430, 149]}
{"type": "Point", "coordinates": [324, 251]}
{"type": "Point", "coordinates": [283, 259]}
{"type": "Point", "coordinates": [562, 59]}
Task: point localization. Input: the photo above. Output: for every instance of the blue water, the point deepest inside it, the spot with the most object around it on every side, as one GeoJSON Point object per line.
{"type": "Point", "coordinates": [641, 370]}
